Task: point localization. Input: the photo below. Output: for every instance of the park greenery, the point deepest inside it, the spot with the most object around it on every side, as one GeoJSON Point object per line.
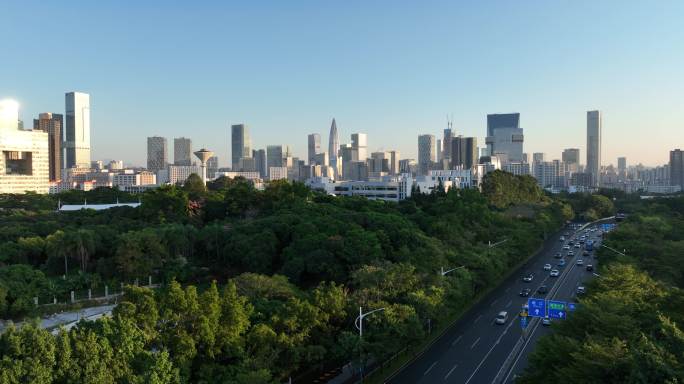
{"type": "Point", "coordinates": [257, 286]}
{"type": "Point", "coordinates": [628, 329]}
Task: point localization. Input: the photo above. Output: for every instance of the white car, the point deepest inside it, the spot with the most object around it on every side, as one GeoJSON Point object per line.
{"type": "Point", "coordinates": [566, 247]}
{"type": "Point", "coordinates": [578, 245]}
{"type": "Point", "coordinates": [554, 273]}
{"type": "Point", "coordinates": [547, 267]}
{"type": "Point", "coordinates": [501, 317]}
{"type": "Point", "coordinates": [580, 262]}
{"type": "Point", "coordinates": [546, 321]}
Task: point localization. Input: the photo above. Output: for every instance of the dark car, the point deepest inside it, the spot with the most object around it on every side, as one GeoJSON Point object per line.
{"type": "Point", "coordinates": [525, 292]}
{"type": "Point", "coordinates": [559, 255]}
{"type": "Point", "coordinates": [590, 267]}
{"type": "Point", "coordinates": [543, 289]}
{"type": "Point", "coordinates": [585, 253]}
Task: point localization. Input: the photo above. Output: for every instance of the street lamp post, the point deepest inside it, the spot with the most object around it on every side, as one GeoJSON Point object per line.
{"type": "Point", "coordinates": [496, 244]}
{"type": "Point", "coordinates": [443, 272]}
{"type": "Point", "coordinates": [616, 251]}
{"type": "Point", "coordinates": [359, 325]}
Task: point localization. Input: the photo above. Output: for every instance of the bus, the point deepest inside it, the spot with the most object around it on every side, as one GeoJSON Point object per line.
{"type": "Point", "coordinates": [589, 245]}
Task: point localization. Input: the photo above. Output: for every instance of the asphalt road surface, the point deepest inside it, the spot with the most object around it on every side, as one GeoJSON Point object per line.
{"type": "Point", "coordinates": [475, 348]}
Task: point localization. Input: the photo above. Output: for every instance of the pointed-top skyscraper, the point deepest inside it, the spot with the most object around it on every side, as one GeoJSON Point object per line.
{"type": "Point", "coordinates": [333, 147]}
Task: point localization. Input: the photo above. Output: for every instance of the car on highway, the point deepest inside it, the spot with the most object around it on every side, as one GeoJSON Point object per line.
{"type": "Point", "coordinates": [546, 321]}
{"type": "Point", "coordinates": [590, 268]}
{"type": "Point", "coordinates": [580, 262]}
{"type": "Point", "coordinates": [547, 267]}
{"type": "Point", "coordinates": [528, 277]}
{"type": "Point", "coordinates": [571, 253]}
{"type": "Point", "coordinates": [585, 253]}
{"type": "Point", "coordinates": [566, 247]}
{"type": "Point", "coordinates": [581, 290]}
{"type": "Point", "coordinates": [501, 317]}
{"type": "Point", "coordinates": [554, 273]}
{"type": "Point", "coordinates": [562, 238]}
{"type": "Point", "coordinates": [558, 255]}
{"type": "Point", "coordinates": [525, 292]}
{"type": "Point", "coordinates": [578, 245]}
{"type": "Point", "coordinates": [561, 263]}
{"type": "Point", "coordinates": [543, 289]}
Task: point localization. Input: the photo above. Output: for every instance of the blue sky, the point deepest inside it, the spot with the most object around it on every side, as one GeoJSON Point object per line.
{"type": "Point", "coordinates": [392, 69]}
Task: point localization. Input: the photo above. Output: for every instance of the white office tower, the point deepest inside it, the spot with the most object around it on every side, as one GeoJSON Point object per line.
{"type": "Point", "coordinates": [24, 162]}
{"type": "Point", "coordinates": [426, 153]}
{"type": "Point", "coordinates": [594, 127]}
{"type": "Point", "coordinates": [333, 148]}
{"type": "Point", "coordinates": [77, 130]}
{"type": "Point", "coordinates": [360, 146]}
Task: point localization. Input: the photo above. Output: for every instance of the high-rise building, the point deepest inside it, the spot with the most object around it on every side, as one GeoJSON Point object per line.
{"type": "Point", "coordinates": [426, 153]}
{"type": "Point", "coordinates": [77, 130]}
{"type": "Point", "coordinates": [440, 150]}
{"type": "Point", "coordinates": [505, 137]}
{"type": "Point", "coordinates": [314, 147]}
{"type": "Point", "coordinates": [360, 146]}
{"type": "Point", "coordinates": [241, 144]}
{"type": "Point", "coordinates": [333, 148]}
{"type": "Point", "coordinates": [571, 159]}
{"type": "Point", "coordinates": [24, 163]}
{"type": "Point", "coordinates": [594, 127]}
{"type": "Point", "coordinates": [212, 167]}
{"type": "Point", "coordinates": [622, 168]}
{"type": "Point", "coordinates": [394, 162]}
{"type": "Point", "coordinates": [259, 156]}
{"type": "Point", "coordinates": [677, 168]}
{"type": "Point", "coordinates": [379, 162]}
{"type": "Point", "coordinates": [182, 151]}
{"type": "Point", "coordinates": [538, 157]}
{"type": "Point", "coordinates": [157, 154]}
{"type": "Point", "coordinates": [446, 142]}
{"type": "Point", "coordinates": [52, 123]}
{"type": "Point", "coordinates": [464, 152]}
{"type": "Point", "coordinates": [274, 156]}
{"type": "Point", "coordinates": [502, 120]}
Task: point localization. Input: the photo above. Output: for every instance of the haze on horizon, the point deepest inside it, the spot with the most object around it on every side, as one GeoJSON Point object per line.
{"type": "Point", "coordinates": [393, 70]}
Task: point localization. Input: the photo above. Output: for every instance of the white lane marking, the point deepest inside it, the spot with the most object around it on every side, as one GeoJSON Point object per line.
{"type": "Point", "coordinates": [457, 340]}
{"type": "Point", "coordinates": [475, 343]}
{"type": "Point", "coordinates": [493, 302]}
{"type": "Point", "coordinates": [509, 303]}
{"type": "Point", "coordinates": [429, 369]}
{"type": "Point", "coordinates": [491, 349]}
{"type": "Point", "coordinates": [478, 318]}
{"type": "Point", "coordinates": [452, 369]}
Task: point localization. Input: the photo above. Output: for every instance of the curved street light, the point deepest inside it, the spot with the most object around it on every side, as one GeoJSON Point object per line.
{"type": "Point", "coordinates": [443, 272]}
{"type": "Point", "coordinates": [358, 323]}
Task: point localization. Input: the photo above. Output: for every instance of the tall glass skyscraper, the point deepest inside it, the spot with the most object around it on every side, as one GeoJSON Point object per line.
{"type": "Point", "coordinates": [241, 145]}
{"type": "Point", "coordinates": [334, 148]}
{"type": "Point", "coordinates": [594, 127]}
{"type": "Point", "coordinates": [505, 137]}
{"type": "Point", "coordinates": [77, 130]}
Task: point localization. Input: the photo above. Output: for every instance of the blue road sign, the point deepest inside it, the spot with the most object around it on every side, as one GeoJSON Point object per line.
{"type": "Point", "coordinates": [572, 307]}
{"type": "Point", "coordinates": [523, 322]}
{"type": "Point", "coordinates": [537, 307]}
{"type": "Point", "coordinates": [607, 227]}
{"type": "Point", "coordinates": [557, 309]}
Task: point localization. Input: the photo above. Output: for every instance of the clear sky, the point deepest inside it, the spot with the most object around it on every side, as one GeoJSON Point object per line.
{"type": "Point", "coordinates": [393, 69]}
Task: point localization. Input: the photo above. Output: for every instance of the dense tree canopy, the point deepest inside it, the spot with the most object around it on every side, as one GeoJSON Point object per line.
{"type": "Point", "coordinates": [293, 267]}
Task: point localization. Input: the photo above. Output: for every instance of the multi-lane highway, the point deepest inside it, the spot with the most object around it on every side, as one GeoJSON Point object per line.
{"type": "Point", "coordinates": [475, 348]}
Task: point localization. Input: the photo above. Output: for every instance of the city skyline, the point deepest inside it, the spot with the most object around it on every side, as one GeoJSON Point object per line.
{"type": "Point", "coordinates": [552, 88]}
